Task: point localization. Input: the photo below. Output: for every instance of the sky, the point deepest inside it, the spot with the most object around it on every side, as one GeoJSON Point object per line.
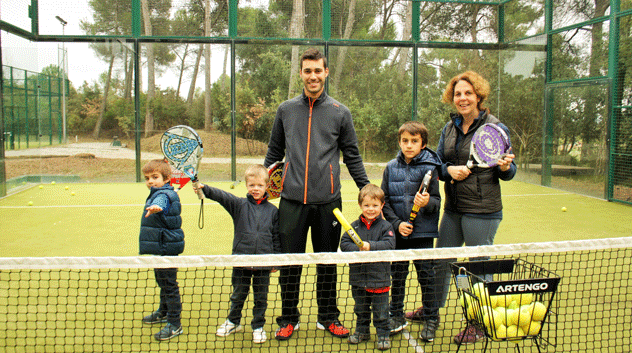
{"type": "Point", "coordinates": [83, 64]}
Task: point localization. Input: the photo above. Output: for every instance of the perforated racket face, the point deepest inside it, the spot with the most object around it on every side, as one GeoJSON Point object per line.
{"type": "Point", "coordinates": [275, 184]}
{"type": "Point", "coordinates": [489, 143]}
{"type": "Point", "coordinates": [182, 147]}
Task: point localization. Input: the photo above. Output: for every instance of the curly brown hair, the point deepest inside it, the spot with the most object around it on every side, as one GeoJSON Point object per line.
{"type": "Point", "coordinates": [481, 88]}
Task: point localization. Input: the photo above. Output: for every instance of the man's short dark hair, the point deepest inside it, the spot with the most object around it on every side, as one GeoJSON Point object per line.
{"type": "Point", "coordinates": [313, 54]}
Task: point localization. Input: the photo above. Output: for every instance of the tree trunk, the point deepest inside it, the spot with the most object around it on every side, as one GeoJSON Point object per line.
{"type": "Point", "coordinates": [182, 68]}
{"type": "Point", "coordinates": [406, 35]}
{"type": "Point", "coordinates": [129, 78]}
{"type": "Point", "coordinates": [296, 31]}
{"type": "Point", "coordinates": [208, 122]}
{"type": "Point", "coordinates": [97, 127]}
{"type": "Point", "coordinates": [196, 69]}
{"type": "Point", "coordinates": [342, 52]}
{"type": "Point", "coordinates": [151, 79]}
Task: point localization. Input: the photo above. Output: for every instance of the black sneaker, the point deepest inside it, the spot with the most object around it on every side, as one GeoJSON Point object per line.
{"type": "Point", "coordinates": [168, 332]}
{"type": "Point", "coordinates": [383, 343]}
{"type": "Point", "coordinates": [155, 318]}
{"type": "Point", "coordinates": [428, 332]}
{"type": "Point", "coordinates": [359, 337]}
{"type": "Point", "coordinates": [397, 324]}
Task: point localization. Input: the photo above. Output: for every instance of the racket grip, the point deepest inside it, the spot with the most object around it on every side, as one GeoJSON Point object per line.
{"type": "Point", "coordinates": [413, 213]}
{"type": "Point", "coordinates": [198, 191]}
{"type": "Point", "coordinates": [347, 228]}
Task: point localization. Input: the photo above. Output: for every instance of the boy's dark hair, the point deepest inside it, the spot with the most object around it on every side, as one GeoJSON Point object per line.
{"type": "Point", "coordinates": [414, 128]}
{"type": "Point", "coordinates": [256, 170]}
{"type": "Point", "coordinates": [371, 191]}
{"type": "Point", "coordinates": [158, 165]}
{"type": "Point", "coordinates": [313, 54]}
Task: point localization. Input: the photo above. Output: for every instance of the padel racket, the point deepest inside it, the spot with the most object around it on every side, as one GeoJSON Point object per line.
{"type": "Point", "coordinates": [275, 182]}
{"type": "Point", "coordinates": [182, 147]}
{"type": "Point", "coordinates": [489, 144]}
{"type": "Point", "coordinates": [348, 229]}
{"type": "Point", "coordinates": [424, 186]}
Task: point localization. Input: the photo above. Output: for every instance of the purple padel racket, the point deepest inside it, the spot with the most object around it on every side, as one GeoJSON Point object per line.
{"type": "Point", "coordinates": [489, 144]}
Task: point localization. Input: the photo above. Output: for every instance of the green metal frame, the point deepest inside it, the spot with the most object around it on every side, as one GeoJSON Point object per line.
{"type": "Point", "coordinates": [136, 38]}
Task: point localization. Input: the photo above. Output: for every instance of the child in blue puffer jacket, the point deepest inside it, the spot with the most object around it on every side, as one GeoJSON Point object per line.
{"type": "Point", "coordinates": [161, 234]}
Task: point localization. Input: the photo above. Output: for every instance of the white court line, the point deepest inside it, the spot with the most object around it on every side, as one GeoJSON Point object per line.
{"type": "Point", "coordinates": [215, 203]}
{"type": "Point", "coordinates": [412, 342]}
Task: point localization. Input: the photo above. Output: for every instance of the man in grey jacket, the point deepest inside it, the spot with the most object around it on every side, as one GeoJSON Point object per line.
{"type": "Point", "coordinates": [310, 131]}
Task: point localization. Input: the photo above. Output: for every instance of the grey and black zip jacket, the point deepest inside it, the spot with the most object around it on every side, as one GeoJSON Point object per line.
{"type": "Point", "coordinates": [310, 134]}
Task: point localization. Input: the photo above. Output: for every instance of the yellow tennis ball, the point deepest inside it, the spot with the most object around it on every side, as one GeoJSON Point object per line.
{"type": "Point", "coordinates": [30, 203]}
{"type": "Point", "coordinates": [501, 311]}
{"type": "Point", "coordinates": [72, 193]}
{"type": "Point", "coordinates": [512, 317]}
{"type": "Point", "coordinates": [524, 316]}
{"type": "Point", "coordinates": [501, 332]}
{"type": "Point", "coordinates": [539, 310]}
{"type": "Point", "coordinates": [515, 332]}
{"type": "Point", "coordinates": [41, 186]}
{"type": "Point", "coordinates": [53, 182]}
{"type": "Point", "coordinates": [491, 319]}
{"type": "Point", "coordinates": [563, 209]}
{"type": "Point", "coordinates": [66, 188]}
{"type": "Point", "coordinates": [532, 328]}
{"type": "Point", "coordinates": [525, 298]}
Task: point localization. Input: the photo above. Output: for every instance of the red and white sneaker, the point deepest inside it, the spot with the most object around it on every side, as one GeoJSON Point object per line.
{"type": "Point", "coordinates": [335, 328]}
{"type": "Point", "coordinates": [284, 333]}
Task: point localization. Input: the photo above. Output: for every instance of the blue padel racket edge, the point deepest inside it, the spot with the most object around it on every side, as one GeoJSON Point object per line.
{"type": "Point", "coordinates": [489, 144]}
{"type": "Point", "coordinates": [183, 149]}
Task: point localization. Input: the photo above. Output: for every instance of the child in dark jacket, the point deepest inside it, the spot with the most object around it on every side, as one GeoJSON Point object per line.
{"type": "Point", "coordinates": [256, 232]}
{"type": "Point", "coordinates": [161, 234]}
{"type": "Point", "coordinates": [370, 282]}
{"type": "Point", "coordinates": [401, 181]}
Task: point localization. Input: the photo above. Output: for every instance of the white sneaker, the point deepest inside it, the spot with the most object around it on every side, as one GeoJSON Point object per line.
{"type": "Point", "coordinates": [228, 328]}
{"type": "Point", "coordinates": [259, 335]}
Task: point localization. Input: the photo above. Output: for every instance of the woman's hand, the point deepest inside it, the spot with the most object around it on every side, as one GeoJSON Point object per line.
{"type": "Point", "coordinates": [505, 163]}
{"type": "Point", "coordinates": [459, 172]}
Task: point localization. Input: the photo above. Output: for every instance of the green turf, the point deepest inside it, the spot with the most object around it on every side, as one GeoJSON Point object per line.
{"type": "Point", "coordinates": [103, 219]}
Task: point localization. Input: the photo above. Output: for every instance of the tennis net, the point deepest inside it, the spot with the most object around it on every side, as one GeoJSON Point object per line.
{"type": "Point", "coordinates": [97, 304]}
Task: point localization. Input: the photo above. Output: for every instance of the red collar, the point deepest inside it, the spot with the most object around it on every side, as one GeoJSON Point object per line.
{"type": "Point", "coordinates": [367, 223]}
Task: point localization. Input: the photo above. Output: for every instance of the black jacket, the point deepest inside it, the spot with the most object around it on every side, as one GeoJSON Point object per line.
{"type": "Point", "coordinates": [479, 193]}
{"type": "Point", "coordinates": [310, 135]}
{"type": "Point", "coordinates": [380, 235]}
{"type": "Point", "coordinates": [256, 223]}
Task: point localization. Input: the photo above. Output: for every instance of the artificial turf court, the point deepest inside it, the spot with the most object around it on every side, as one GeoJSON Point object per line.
{"type": "Point", "coordinates": [104, 219]}
{"type": "Point", "coordinates": [100, 309]}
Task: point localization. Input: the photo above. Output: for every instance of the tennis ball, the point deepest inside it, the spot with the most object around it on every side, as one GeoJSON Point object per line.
{"type": "Point", "coordinates": [514, 331]}
{"type": "Point", "coordinates": [491, 319]}
{"type": "Point", "coordinates": [524, 317]}
{"type": "Point", "coordinates": [539, 310]}
{"type": "Point", "coordinates": [525, 298]}
{"type": "Point", "coordinates": [563, 209]}
{"type": "Point", "coordinates": [501, 332]}
{"type": "Point", "coordinates": [53, 182]}
{"type": "Point", "coordinates": [41, 186]}
{"type": "Point", "coordinates": [30, 203]}
{"type": "Point", "coordinates": [512, 317]}
{"type": "Point", "coordinates": [503, 300]}
{"type": "Point", "coordinates": [532, 328]}
{"type": "Point", "coordinates": [66, 188]}
{"type": "Point", "coordinates": [72, 193]}
{"type": "Point", "coordinates": [232, 186]}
